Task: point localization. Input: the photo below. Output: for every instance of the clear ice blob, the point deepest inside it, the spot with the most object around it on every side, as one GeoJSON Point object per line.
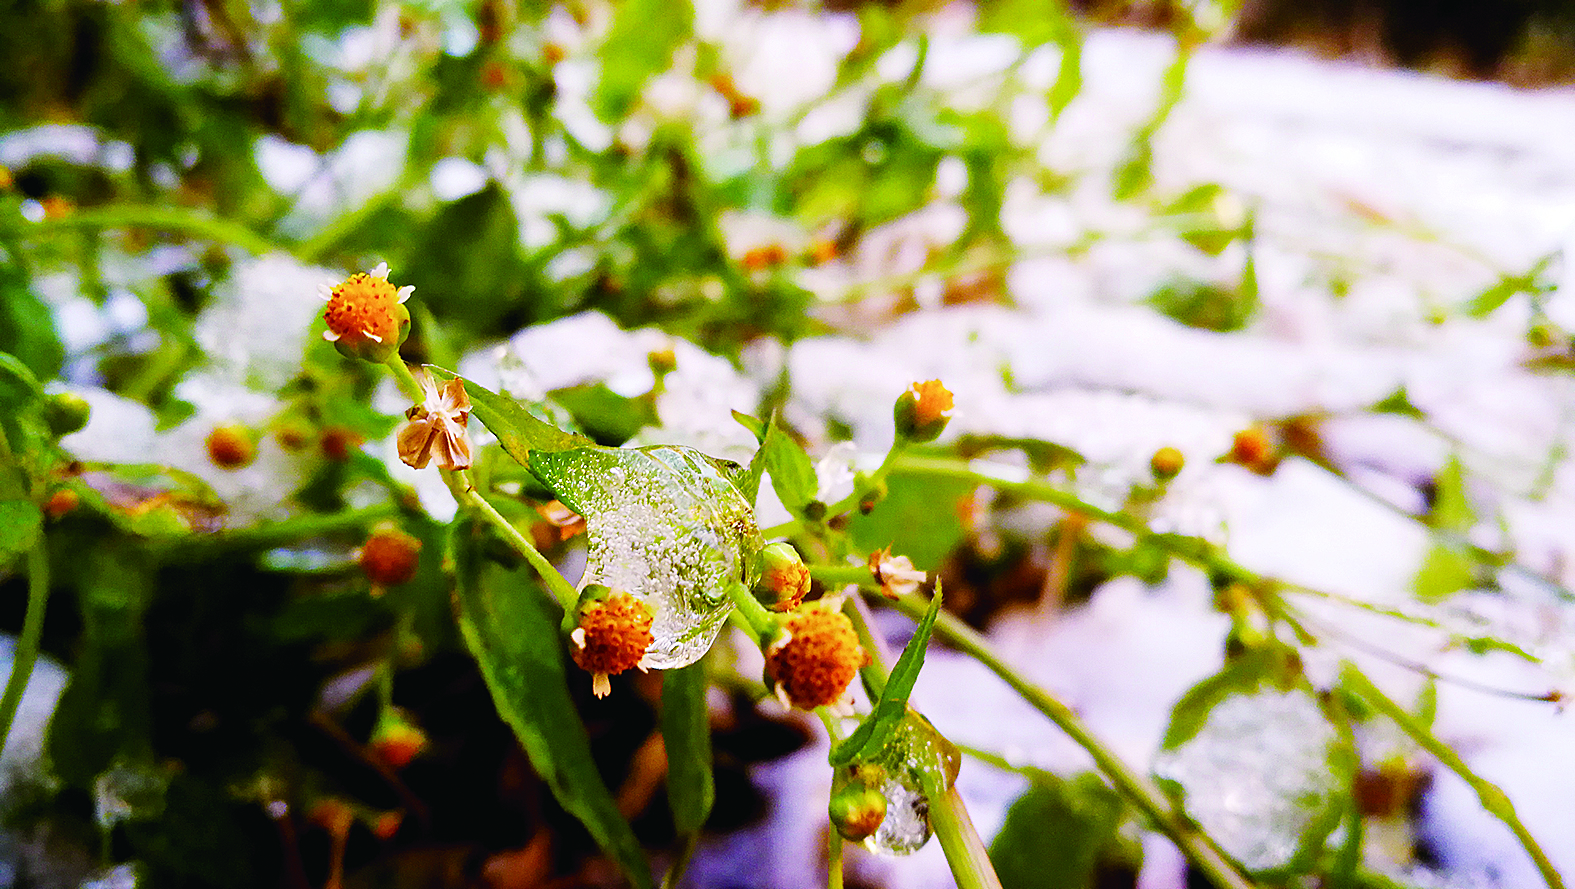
{"type": "Point", "coordinates": [1260, 775]}
{"type": "Point", "coordinates": [918, 762]}
{"type": "Point", "coordinates": [666, 525]}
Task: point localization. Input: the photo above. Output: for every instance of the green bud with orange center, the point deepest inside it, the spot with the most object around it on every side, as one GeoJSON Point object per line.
{"type": "Point", "coordinates": [231, 446]}
{"type": "Point", "coordinates": [857, 807]}
{"type": "Point", "coordinates": [1166, 463]}
{"type": "Point", "coordinates": [396, 740]}
{"type": "Point", "coordinates": [784, 578]}
{"type": "Point", "coordinates": [366, 315]}
{"type": "Point", "coordinates": [922, 412]}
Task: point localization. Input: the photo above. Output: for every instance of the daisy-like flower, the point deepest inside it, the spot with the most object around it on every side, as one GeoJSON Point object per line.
{"type": "Point", "coordinates": [366, 316]}
{"type": "Point", "coordinates": [895, 574]}
{"type": "Point", "coordinates": [612, 635]}
{"type": "Point", "coordinates": [818, 654]}
{"type": "Point", "coordinates": [436, 426]}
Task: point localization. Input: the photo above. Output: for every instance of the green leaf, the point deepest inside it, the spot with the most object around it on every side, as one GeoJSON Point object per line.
{"type": "Point", "coordinates": [519, 431]}
{"type": "Point", "coordinates": [1241, 676]}
{"type": "Point", "coordinates": [1061, 833]}
{"type": "Point", "coordinates": [1451, 510]}
{"type": "Point", "coordinates": [892, 707]}
{"type": "Point", "coordinates": [510, 630]}
{"type": "Point", "coordinates": [606, 416]}
{"type": "Point", "coordinates": [20, 522]}
{"type": "Point", "coordinates": [686, 733]}
{"type": "Point", "coordinates": [1444, 571]}
{"type": "Point", "coordinates": [1399, 403]}
{"type": "Point", "coordinates": [640, 44]}
{"type": "Point", "coordinates": [27, 327]}
{"type": "Point", "coordinates": [792, 473]}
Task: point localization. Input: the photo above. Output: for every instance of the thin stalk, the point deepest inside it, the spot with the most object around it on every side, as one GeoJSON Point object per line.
{"type": "Point", "coordinates": [25, 655]}
{"type": "Point", "coordinates": [675, 873]}
{"type": "Point", "coordinates": [172, 219]}
{"type": "Point", "coordinates": [833, 860]}
{"type": "Point", "coordinates": [1493, 799]}
{"type": "Point", "coordinates": [466, 493]}
{"type": "Point", "coordinates": [1138, 790]}
{"type": "Point", "coordinates": [761, 622]}
{"type": "Point", "coordinates": [965, 850]}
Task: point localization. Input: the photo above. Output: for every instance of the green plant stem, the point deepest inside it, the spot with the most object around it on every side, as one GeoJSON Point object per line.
{"type": "Point", "coordinates": [1493, 799]}
{"type": "Point", "coordinates": [285, 532]}
{"type": "Point", "coordinates": [834, 860]}
{"type": "Point", "coordinates": [1138, 790]}
{"type": "Point", "coordinates": [403, 376]}
{"type": "Point", "coordinates": [459, 482]}
{"type": "Point", "coordinates": [172, 219]}
{"type": "Point", "coordinates": [25, 655]}
{"type": "Point", "coordinates": [960, 840]}
{"type": "Point", "coordinates": [762, 623]}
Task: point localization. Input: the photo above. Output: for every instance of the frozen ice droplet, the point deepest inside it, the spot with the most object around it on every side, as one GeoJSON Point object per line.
{"type": "Point", "coordinates": [665, 525]}
{"type": "Point", "coordinates": [125, 791]}
{"type": "Point", "coordinates": [917, 761]}
{"type": "Point", "coordinates": [1260, 774]}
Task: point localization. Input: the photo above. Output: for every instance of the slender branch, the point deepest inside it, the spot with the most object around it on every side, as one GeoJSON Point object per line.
{"type": "Point", "coordinates": [173, 219]}
{"type": "Point", "coordinates": [25, 655]}
{"type": "Point", "coordinates": [1138, 790]}
{"type": "Point", "coordinates": [960, 840]}
{"type": "Point", "coordinates": [1493, 799]}
{"type": "Point", "coordinates": [466, 493]}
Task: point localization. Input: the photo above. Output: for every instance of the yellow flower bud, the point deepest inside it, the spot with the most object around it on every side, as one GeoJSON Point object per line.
{"type": "Point", "coordinates": [366, 316]}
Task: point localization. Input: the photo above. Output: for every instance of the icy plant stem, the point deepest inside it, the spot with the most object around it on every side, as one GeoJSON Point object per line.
{"type": "Point", "coordinates": [1492, 798]}
{"type": "Point", "coordinates": [26, 653]}
{"type": "Point", "coordinates": [965, 850]}
{"type": "Point", "coordinates": [1139, 791]}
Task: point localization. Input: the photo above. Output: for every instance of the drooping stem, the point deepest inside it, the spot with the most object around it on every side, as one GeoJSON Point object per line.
{"type": "Point", "coordinates": [1493, 799]}
{"type": "Point", "coordinates": [25, 656]}
{"type": "Point", "coordinates": [1135, 788]}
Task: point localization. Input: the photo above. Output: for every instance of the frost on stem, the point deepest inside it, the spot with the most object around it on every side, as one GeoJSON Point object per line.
{"type": "Point", "coordinates": [436, 426]}
{"type": "Point", "coordinates": [366, 316]}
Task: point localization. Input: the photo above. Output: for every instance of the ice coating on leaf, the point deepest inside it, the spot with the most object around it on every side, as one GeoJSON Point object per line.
{"type": "Point", "coordinates": [666, 525]}
{"type": "Point", "coordinates": [1258, 775]}
{"type": "Point", "coordinates": [917, 761]}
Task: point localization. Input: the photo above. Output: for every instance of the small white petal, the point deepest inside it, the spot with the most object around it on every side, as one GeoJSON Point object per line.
{"type": "Point", "coordinates": [578, 637]}
{"type": "Point", "coordinates": [405, 291]}
{"type": "Point", "coordinates": [326, 292]}
{"type": "Point", "coordinates": [372, 336]}
{"type": "Point", "coordinates": [330, 336]}
{"type": "Point", "coordinates": [601, 686]}
{"type": "Point", "coordinates": [381, 271]}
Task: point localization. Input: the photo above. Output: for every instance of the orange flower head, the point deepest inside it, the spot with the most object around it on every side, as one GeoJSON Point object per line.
{"type": "Point", "coordinates": [895, 574]}
{"type": "Point", "coordinates": [612, 635]}
{"type": "Point", "coordinates": [1166, 463]}
{"type": "Point", "coordinates": [230, 446]}
{"type": "Point", "coordinates": [366, 316]}
{"type": "Point", "coordinates": [816, 657]}
{"type": "Point", "coordinates": [390, 557]}
{"type": "Point", "coordinates": [922, 411]}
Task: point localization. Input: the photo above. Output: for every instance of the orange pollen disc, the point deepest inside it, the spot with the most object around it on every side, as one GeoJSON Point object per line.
{"type": "Point", "coordinates": [820, 658]}
{"type": "Point", "coordinates": [617, 633]}
{"type": "Point", "coordinates": [362, 304]}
